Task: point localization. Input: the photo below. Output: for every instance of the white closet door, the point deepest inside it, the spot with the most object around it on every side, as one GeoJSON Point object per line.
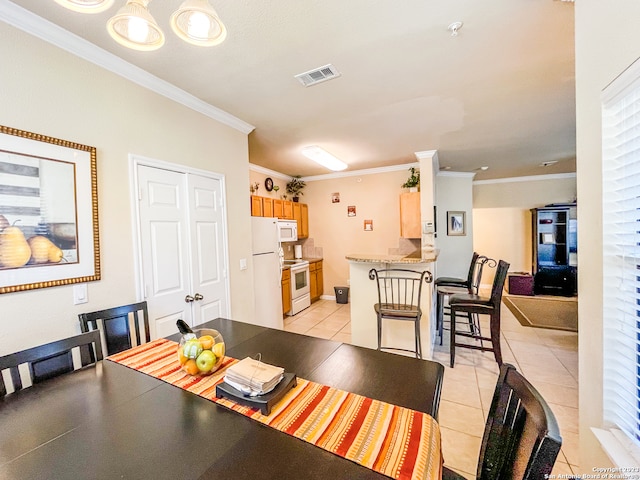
{"type": "Point", "coordinates": [208, 276]}
{"type": "Point", "coordinates": [164, 237]}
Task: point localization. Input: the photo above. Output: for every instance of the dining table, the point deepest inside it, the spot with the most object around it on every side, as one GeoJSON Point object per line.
{"type": "Point", "coordinates": [108, 421]}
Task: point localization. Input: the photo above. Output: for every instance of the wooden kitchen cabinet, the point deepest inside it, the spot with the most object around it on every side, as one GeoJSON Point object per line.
{"type": "Point", "coordinates": [287, 209]}
{"type": "Point", "coordinates": [267, 207]}
{"type": "Point", "coordinates": [303, 224]}
{"type": "Point", "coordinates": [410, 215]}
{"type": "Point", "coordinates": [286, 290]}
{"type": "Point", "coordinates": [278, 208]}
{"type": "Point", "coordinates": [316, 283]}
{"type": "Point", "coordinates": [256, 206]}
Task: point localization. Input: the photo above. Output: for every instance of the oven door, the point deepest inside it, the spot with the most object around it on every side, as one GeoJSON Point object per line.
{"type": "Point", "coordinates": [300, 281]}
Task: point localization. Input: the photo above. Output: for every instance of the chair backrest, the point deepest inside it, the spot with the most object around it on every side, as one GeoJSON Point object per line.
{"type": "Point", "coordinates": [476, 279]}
{"type": "Point", "coordinates": [521, 437]}
{"type": "Point", "coordinates": [114, 323]}
{"type": "Point", "coordinates": [399, 286]}
{"type": "Point", "coordinates": [498, 283]}
{"type": "Point", "coordinates": [472, 268]}
{"type": "Point", "coordinates": [50, 360]}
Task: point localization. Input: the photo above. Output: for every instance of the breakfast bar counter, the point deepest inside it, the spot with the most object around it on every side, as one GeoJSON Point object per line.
{"type": "Point", "coordinates": [364, 295]}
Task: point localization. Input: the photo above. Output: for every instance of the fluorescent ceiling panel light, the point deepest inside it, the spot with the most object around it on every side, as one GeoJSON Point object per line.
{"type": "Point", "coordinates": [324, 158]}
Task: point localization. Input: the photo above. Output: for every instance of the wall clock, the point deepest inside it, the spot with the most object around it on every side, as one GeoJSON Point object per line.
{"type": "Point", "coordinates": [268, 184]}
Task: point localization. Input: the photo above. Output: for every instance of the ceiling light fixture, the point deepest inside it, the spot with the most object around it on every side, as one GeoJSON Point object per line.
{"type": "Point", "coordinates": [324, 158]}
{"type": "Point", "coordinates": [483, 168]}
{"type": "Point", "coordinates": [195, 22]}
{"type": "Point", "coordinates": [549, 163]}
{"type": "Point", "coordinates": [454, 27]}
{"type": "Point", "coordinates": [86, 6]}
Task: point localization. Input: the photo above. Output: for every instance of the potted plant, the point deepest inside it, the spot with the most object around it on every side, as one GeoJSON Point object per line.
{"type": "Point", "coordinates": [413, 182]}
{"type": "Point", "coordinates": [295, 186]}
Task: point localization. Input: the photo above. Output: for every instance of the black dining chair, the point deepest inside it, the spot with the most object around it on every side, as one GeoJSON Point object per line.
{"type": "Point", "coordinates": [521, 438]}
{"type": "Point", "coordinates": [399, 294]}
{"type": "Point", "coordinates": [50, 360]}
{"type": "Point", "coordinates": [114, 323]}
{"type": "Point", "coordinates": [471, 286]}
{"type": "Point", "coordinates": [459, 282]}
{"type": "Point", "coordinates": [476, 304]}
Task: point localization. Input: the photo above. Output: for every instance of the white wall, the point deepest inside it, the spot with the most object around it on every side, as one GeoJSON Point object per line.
{"type": "Point", "coordinates": [502, 217]}
{"type": "Point", "coordinates": [454, 193]}
{"type": "Point", "coordinates": [607, 40]}
{"type": "Point", "coordinates": [51, 92]}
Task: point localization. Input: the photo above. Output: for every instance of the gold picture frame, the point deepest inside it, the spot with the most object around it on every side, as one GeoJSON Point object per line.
{"type": "Point", "coordinates": [48, 212]}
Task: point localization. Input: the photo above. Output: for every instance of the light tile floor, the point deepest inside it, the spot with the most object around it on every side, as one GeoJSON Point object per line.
{"type": "Point", "coordinates": [547, 358]}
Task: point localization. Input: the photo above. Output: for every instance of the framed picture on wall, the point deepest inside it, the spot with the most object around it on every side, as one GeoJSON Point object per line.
{"type": "Point", "coordinates": [48, 212]}
{"type": "Point", "coordinates": [456, 223]}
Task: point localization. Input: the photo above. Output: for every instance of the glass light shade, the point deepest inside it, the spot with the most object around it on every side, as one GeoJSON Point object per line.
{"type": "Point", "coordinates": [196, 22]}
{"type": "Point", "coordinates": [134, 27]}
{"type": "Point", "coordinates": [86, 6]}
{"type": "Point", "coordinates": [324, 158]}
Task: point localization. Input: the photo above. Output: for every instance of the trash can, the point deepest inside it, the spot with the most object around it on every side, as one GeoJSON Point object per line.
{"type": "Point", "coordinates": [342, 294]}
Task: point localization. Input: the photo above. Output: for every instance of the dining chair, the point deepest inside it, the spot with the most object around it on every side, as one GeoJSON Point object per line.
{"type": "Point", "coordinates": [50, 360]}
{"type": "Point", "coordinates": [521, 438]}
{"type": "Point", "coordinates": [114, 323]}
{"type": "Point", "coordinates": [459, 282]}
{"type": "Point", "coordinates": [399, 294]}
{"type": "Point", "coordinates": [476, 304]}
{"type": "Point", "coordinates": [472, 285]}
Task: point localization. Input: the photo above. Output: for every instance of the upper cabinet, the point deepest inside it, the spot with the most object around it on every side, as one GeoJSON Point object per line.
{"type": "Point", "coordinates": [285, 209]}
{"type": "Point", "coordinates": [410, 215]}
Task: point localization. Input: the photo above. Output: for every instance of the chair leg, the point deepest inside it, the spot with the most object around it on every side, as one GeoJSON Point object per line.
{"type": "Point", "coordinates": [452, 340]}
{"type": "Point", "coordinates": [379, 332]}
{"type": "Point", "coordinates": [418, 341]}
{"type": "Point", "coordinates": [495, 337]}
{"type": "Point", "coordinates": [440, 314]}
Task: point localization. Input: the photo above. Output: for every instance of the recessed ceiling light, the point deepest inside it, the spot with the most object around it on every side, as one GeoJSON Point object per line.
{"type": "Point", "coordinates": [324, 158]}
{"type": "Point", "coordinates": [483, 168]}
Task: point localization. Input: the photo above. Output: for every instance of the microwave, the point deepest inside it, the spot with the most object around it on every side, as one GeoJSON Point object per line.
{"type": "Point", "coordinates": [288, 230]}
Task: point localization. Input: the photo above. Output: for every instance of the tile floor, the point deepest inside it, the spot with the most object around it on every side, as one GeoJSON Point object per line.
{"type": "Point", "coordinates": [548, 359]}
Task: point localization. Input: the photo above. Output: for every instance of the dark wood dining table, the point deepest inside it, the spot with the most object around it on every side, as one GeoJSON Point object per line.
{"type": "Point", "coordinates": [111, 422]}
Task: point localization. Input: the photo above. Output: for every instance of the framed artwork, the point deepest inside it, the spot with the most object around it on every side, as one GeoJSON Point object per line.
{"type": "Point", "coordinates": [335, 197]}
{"type": "Point", "coordinates": [368, 225]}
{"type": "Point", "coordinates": [48, 212]}
{"type": "Point", "coordinates": [456, 224]}
{"type": "Point", "coordinates": [351, 211]}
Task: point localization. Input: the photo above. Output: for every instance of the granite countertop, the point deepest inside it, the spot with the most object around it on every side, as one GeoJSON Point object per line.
{"type": "Point", "coordinates": [427, 257]}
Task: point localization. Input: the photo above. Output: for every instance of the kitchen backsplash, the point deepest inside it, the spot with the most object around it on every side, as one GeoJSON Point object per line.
{"type": "Point", "coordinates": [309, 250]}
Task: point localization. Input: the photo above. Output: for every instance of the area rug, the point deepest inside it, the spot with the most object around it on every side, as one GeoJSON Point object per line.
{"type": "Point", "coordinates": [558, 313]}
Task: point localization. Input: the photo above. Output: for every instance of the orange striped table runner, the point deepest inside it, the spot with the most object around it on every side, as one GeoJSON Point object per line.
{"type": "Point", "coordinates": [395, 441]}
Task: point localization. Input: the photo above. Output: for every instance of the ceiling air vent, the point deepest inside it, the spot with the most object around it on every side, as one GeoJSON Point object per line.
{"type": "Point", "coordinates": [318, 75]}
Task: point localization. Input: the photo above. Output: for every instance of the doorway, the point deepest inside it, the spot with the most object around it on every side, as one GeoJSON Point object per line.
{"type": "Point", "coordinates": [181, 242]}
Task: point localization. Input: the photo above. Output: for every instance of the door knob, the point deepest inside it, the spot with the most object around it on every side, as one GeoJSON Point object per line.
{"type": "Point", "coordinates": [197, 296]}
{"type": "Point", "coordinates": [188, 299]}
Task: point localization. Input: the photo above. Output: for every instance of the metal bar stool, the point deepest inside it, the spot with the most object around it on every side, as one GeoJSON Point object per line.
{"type": "Point", "coordinates": [399, 293]}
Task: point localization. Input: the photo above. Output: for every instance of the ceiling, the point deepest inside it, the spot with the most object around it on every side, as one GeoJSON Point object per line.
{"type": "Point", "coordinates": [500, 94]}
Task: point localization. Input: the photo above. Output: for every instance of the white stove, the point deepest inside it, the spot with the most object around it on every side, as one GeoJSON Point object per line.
{"type": "Point", "coordinates": [300, 286]}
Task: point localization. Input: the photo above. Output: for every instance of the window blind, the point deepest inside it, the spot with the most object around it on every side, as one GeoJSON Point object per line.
{"type": "Point", "coordinates": [621, 252]}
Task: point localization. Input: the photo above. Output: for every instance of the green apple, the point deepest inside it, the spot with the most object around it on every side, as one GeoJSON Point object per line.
{"type": "Point", "coordinates": [206, 360]}
{"type": "Point", "coordinates": [192, 349]}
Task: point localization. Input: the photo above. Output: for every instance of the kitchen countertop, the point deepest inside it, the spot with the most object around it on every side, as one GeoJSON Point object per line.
{"type": "Point", "coordinates": [381, 258]}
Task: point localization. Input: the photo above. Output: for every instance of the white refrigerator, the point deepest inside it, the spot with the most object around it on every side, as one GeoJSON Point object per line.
{"type": "Point", "coordinates": [267, 272]}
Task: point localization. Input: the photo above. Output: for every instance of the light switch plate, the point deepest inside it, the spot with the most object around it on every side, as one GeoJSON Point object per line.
{"type": "Point", "coordinates": [80, 293]}
{"type": "Point", "coordinates": [243, 264]}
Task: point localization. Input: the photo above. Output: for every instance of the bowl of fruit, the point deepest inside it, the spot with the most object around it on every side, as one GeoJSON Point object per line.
{"type": "Point", "coordinates": [201, 352]}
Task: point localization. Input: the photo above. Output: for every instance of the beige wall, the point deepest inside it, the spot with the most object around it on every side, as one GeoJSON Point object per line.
{"type": "Point", "coordinates": [502, 220]}
{"type": "Point", "coordinates": [606, 43]}
{"type": "Point", "coordinates": [51, 92]}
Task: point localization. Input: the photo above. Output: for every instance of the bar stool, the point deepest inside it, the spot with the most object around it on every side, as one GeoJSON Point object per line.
{"type": "Point", "coordinates": [476, 304]}
{"type": "Point", "coordinates": [471, 286]}
{"type": "Point", "coordinates": [399, 293]}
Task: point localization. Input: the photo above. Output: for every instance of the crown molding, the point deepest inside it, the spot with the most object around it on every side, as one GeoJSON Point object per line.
{"type": "Point", "coordinates": [446, 173]}
{"type": "Point", "coordinates": [267, 171]}
{"type": "Point", "coordinates": [32, 24]}
{"type": "Point", "coordinates": [358, 173]}
{"type": "Point", "coordinates": [531, 178]}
